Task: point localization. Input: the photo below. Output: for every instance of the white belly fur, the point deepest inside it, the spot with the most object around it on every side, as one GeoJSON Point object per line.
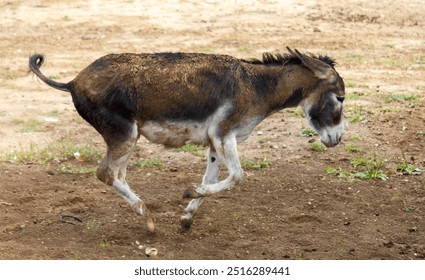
{"type": "Point", "coordinates": [176, 134]}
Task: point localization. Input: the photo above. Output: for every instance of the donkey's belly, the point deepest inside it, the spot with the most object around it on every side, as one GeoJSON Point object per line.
{"type": "Point", "coordinates": [175, 134]}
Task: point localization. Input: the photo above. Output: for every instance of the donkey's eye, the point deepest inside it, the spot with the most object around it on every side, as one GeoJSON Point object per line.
{"type": "Point", "coordinates": [340, 98]}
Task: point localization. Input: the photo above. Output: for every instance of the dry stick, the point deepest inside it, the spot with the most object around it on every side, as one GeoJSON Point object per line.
{"type": "Point", "coordinates": [6, 203]}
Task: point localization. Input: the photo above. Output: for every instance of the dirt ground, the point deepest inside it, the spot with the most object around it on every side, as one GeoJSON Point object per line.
{"type": "Point", "coordinates": [288, 207]}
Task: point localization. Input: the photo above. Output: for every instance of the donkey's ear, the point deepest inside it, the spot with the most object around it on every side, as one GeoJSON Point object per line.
{"type": "Point", "coordinates": [320, 69]}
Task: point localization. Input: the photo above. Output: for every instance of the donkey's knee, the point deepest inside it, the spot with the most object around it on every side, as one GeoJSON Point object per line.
{"type": "Point", "coordinates": [104, 174]}
{"type": "Point", "coordinates": [238, 177]}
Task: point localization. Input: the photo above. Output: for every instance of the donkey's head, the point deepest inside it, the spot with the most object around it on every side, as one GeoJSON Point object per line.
{"type": "Point", "coordinates": [324, 102]}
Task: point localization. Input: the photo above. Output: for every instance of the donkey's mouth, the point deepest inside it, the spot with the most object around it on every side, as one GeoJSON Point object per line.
{"type": "Point", "coordinates": [330, 144]}
{"type": "Point", "coordinates": [331, 140]}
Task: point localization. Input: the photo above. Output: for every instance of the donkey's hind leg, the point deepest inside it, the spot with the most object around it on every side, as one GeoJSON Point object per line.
{"type": "Point", "coordinates": [112, 171]}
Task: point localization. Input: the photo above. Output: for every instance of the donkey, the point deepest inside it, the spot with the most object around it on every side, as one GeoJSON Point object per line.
{"type": "Point", "coordinates": [210, 100]}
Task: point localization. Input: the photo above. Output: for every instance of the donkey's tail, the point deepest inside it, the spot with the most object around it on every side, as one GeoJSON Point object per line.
{"type": "Point", "coordinates": [35, 62]}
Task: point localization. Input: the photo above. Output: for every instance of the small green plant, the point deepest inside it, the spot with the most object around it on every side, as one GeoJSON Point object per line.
{"type": "Point", "coordinates": [400, 97]}
{"type": "Point", "coordinates": [350, 84]}
{"type": "Point", "coordinates": [352, 148]}
{"type": "Point", "coordinates": [421, 132]}
{"type": "Point", "coordinates": [356, 138]}
{"type": "Point", "coordinates": [54, 113]}
{"type": "Point", "coordinates": [23, 156]}
{"type": "Point", "coordinates": [338, 171]}
{"type": "Point", "coordinates": [91, 225]}
{"type": "Point", "coordinates": [370, 167]}
{"type": "Point", "coordinates": [409, 209]}
{"type": "Point", "coordinates": [104, 243]}
{"type": "Point", "coordinates": [148, 163]}
{"type": "Point", "coordinates": [420, 59]}
{"type": "Point", "coordinates": [390, 62]}
{"type": "Point", "coordinates": [356, 114]}
{"type": "Point", "coordinates": [308, 132]}
{"type": "Point", "coordinates": [58, 151]}
{"type": "Point", "coordinates": [65, 149]}
{"type": "Point", "coordinates": [2, 113]}
{"type": "Point", "coordinates": [370, 163]}
{"type": "Point", "coordinates": [76, 169]}
{"type": "Point", "coordinates": [364, 168]}
{"type": "Point", "coordinates": [388, 45]}
{"type": "Point", "coordinates": [30, 126]}
{"type": "Point", "coordinates": [245, 49]}
{"type": "Point", "coordinates": [191, 148]}
{"type": "Point", "coordinates": [407, 169]}
{"type": "Point", "coordinates": [356, 58]}
{"type": "Point", "coordinates": [353, 95]}
{"type": "Point", "coordinates": [256, 164]}
{"type": "Point", "coordinates": [371, 174]}
{"type": "Point", "coordinates": [294, 112]}
{"type": "Point", "coordinates": [317, 147]}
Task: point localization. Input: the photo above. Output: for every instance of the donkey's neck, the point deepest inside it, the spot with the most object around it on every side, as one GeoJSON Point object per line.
{"type": "Point", "coordinates": [279, 87]}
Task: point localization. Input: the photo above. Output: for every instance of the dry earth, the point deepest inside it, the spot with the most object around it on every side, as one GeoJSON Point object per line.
{"type": "Point", "coordinates": [287, 208]}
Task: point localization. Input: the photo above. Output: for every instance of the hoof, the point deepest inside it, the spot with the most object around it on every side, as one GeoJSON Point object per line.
{"type": "Point", "coordinates": [150, 226]}
{"type": "Point", "coordinates": [190, 194]}
{"type": "Point", "coordinates": [186, 224]}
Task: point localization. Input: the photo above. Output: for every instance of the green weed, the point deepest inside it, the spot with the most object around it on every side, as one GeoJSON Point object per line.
{"type": "Point", "coordinates": [407, 169]}
{"type": "Point", "coordinates": [91, 225]}
{"type": "Point", "coordinates": [356, 138]}
{"type": "Point", "coordinates": [352, 148]}
{"type": "Point", "coordinates": [294, 112]}
{"type": "Point", "coordinates": [23, 156]}
{"type": "Point", "coordinates": [191, 148]}
{"type": "Point", "coordinates": [148, 163]}
{"type": "Point", "coordinates": [256, 164]}
{"type": "Point", "coordinates": [59, 151]}
{"type": "Point", "coordinates": [356, 114]}
{"type": "Point", "coordinates": [104, 243]}
{"type": "Point", "coordinates": [317, 147]}
{"type": "Point", "coordinates": [30, 126]}
{"type": "Point", "coordinates": [368, 167]}
{"type": "Point", "coordinates": [54, 113]}
{"type": "Point", "coordinates": [357, 58]}
{"type": "Point", "coordinates": [420, 59]}
{"type": "Point", "coordinates": [308, 132]}
{"type": "Point", "coordinates": [390, 62]}
{"type": "Point", "coordinates": [339, 172]}
{"type": "Point", "coordinates": [388, 45]}
{"type": "Point", "coordinates": [421, 132]}
{"type": "Point", "coordinates": [76, 169]}
{"type": "Point", "coordinates": [399, 97]}
{"type": "Point", "coordinates": [409, 209]}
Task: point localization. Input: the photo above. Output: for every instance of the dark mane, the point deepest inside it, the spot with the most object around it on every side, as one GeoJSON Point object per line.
{"type": "Point", "coordinates": [284, 59]}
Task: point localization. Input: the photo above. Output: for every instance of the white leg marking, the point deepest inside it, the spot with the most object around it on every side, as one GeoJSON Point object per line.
{"type": "Point", "coordinates": [228, 153]}
{"type": "Point", "coordinates": [210, 177]}
{"type": "Point", "coordinates": [112, 171]}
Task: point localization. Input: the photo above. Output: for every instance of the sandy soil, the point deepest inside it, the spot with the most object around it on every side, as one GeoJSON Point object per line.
{"type": "Point", "coordinates": [290, 209]}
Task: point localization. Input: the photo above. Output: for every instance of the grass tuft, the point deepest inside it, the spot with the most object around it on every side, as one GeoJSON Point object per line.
{"type": "Point", "coordinates": [256, 164]}
{"type": "Point", "coordinates": [191, 148]}
{"type": "Point", "coordinates": [148, 163]}
{"type": "Point", "coordinates": [317, 147]}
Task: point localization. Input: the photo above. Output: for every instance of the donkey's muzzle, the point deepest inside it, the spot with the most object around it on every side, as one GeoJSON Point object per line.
{"type": "Point", "coordinates": [331, 138]}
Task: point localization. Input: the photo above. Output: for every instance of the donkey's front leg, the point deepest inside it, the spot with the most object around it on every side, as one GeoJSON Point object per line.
{"type": "Point", "coordinates": [210, 177]}
{"type": "Point", "coordinates": [227, 152]}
